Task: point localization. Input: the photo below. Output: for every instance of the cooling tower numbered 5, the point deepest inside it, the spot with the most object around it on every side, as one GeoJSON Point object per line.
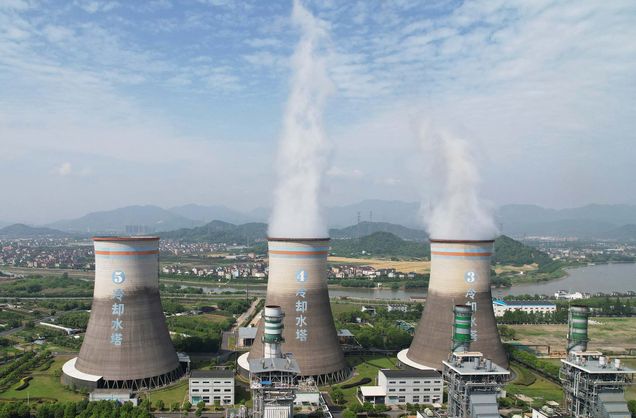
{"type": "Point", "coordinates": [119, 277]}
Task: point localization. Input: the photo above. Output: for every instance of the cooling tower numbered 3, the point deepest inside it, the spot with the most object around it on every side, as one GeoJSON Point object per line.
{"type": "Point", "coordinates": [119, 277]}
{"type": "Point", "coordinates": [470, 277]}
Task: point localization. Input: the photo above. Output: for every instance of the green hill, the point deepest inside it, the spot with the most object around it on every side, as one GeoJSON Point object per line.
{"type": "Point", "coordinates": [381, 244]}
{"type": "Point", "coordinates": [511, 252]}
{"type": "Point", "coordinates": [222, 233]}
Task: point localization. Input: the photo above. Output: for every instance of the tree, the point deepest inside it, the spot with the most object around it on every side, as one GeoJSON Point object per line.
{"type": "Point", "coordinates": [160, 405]}
{"type": "Point", "coordinates": [348, 414]}
{"type": "Point", "coordinates": [175, 406]}
{"type": "Point", "coordinates": [337, 395]}
{"type": "Point", "coordinates": [200, 405]}
{"type": "Point", "coordinates": [186, 406]}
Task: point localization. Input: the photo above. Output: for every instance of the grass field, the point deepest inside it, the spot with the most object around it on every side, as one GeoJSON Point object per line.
{"type": "Point", "coordinates": [365, 366]}
{"type": "Point", "coordinates": [174, 393]}
{"type": "Point", "coordinates": [530, 384]}
{"type": "Point", "coordinates": [402, 266]}
{"type": "Point", "coordinates": [44, 385]}
{"type": "Point", "coordinates": [611, 335]}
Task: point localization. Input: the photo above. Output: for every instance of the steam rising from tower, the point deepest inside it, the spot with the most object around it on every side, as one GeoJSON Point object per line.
{"type": "Point", "coordinates": [458, 212]}
{"type": "Point", "coordinates": [297, 212]}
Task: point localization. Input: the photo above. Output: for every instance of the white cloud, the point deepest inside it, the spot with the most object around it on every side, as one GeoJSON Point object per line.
{"type": "Point", "coordinates": [350, 173]}
{"type": "Point", "coordinates": [64, 169]}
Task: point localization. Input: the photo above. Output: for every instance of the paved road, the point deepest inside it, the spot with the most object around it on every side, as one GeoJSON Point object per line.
{"type": "Point", "coordinates": [246, 314]}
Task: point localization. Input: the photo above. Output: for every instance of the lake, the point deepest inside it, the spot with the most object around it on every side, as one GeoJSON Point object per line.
{"type": "Point", "coordinates": [605, 278]}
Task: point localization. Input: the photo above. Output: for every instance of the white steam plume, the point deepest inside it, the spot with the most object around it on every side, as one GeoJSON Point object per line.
{"type": "Point", "coordinates": [457, 212]}
{"type": "Point", "coordinates": [303, 147]}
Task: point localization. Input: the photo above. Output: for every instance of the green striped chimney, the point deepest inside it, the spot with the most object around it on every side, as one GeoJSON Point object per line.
{"type": "Point", "coordinates": [461, 328]}
{"type": "Point", "coordinates": [273, 332]}
{"type": "Point", "coordinates": [577, 328]}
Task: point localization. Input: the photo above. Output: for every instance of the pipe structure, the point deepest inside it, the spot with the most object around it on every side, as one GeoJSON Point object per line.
{"type": "Point", "coordinates": [298, 284]}
{"type": "Point", "coordinates": [577, 328]}
{"type": "Point", "coordinates": [127, 344]}
{"type": "Point", "coordinates": [460, 275]}
{"type": "Point", "coordinates": [461, 328]}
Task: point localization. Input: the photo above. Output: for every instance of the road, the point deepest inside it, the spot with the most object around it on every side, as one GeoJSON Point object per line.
{"type": "Point", "coordinates": [245, 315]}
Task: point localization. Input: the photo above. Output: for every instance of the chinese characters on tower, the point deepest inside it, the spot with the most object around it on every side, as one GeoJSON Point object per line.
{"type": "Point", "coordinates": [301, 307]}
{"type": "Point", "coordinates": [471, 278]}
{"type": "Point", "coordinates": [117, 325]}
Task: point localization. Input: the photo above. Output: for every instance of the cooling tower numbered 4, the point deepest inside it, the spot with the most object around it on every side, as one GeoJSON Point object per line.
{"type": "Point", "coordinates": [119, 277]}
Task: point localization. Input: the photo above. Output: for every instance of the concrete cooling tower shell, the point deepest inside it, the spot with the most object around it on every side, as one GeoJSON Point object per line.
{"type": "Point", "coordinates": [298, 284]}
{"type": "Point", "coordinates": [460, 274]}
{"type": "Point", "coordinates": [127, 344]}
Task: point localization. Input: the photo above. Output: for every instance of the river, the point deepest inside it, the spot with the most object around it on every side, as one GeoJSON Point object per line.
{"type": "Point", "coordinates": [598, 278]}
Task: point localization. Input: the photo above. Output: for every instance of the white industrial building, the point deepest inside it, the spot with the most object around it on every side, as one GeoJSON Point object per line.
{"type": "Point", "coordinates": [500, 307]}
{"type": "Point", "coordinates": [212, 386]}
{"type": "Point", "coordinates": [404, 386]}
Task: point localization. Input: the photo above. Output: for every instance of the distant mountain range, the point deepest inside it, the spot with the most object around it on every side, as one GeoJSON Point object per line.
{"type": "Point", "coordinates": [136, 219]}
{"type": "Point", "coordinates": [224, 232]}
{"type": "Point", "coordinates": [25, 231]}
{"type": "Point", "coordinates": [368, 216]}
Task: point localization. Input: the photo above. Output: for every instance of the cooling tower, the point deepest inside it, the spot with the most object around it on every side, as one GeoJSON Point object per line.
{"type": "Point", "coordinates": [460, 275]}
{"type": "Point", "coordinates": [298, 284]}
{"type": "Point", "coordinates": [127, 344]}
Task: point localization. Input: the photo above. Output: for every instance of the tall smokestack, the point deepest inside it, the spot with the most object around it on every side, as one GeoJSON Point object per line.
{"type": "Point", "coordinates": [127, 344]}
{"type": "Point", "coordinates": [460, 275]}
{"type": "Point", "coordinates": [461, 328]}
{"type": "Point", "coordinates": [298, 284]}
{"type": "Point", "coordinates": [577, 328]}
{"type": "Point", "coordinates": [273, 331]}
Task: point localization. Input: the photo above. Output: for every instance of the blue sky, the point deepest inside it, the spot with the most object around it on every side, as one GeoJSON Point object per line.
{"type": "Point", "coordinates": [109, 103]}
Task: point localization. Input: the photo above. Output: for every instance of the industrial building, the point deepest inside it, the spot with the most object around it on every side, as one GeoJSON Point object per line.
{"type": "Point", "coordinates": [212, 387]}
{"type": "Point", "coordinates": [273, 375]}
{"type": "Point", "coordinates": [594, 386]}
{"type": "Point", "coordinates": [298, 284]}
{"type": "Point", "coordinates": [402, 386]}
{"type": "Point", "coordinates": [460, 274]}
{"type": "Point", "coordinates": [127, 344]}
{"type": "Point", "coordinates": [474, 381]}
{"type": "Point", "coordinates": [500, 306]}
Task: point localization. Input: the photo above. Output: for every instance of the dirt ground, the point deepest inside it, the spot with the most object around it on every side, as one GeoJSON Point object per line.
{"type": "Point", "coordinates": [606, 334]}
{"type": "Point", "coordinates": [402, 266]}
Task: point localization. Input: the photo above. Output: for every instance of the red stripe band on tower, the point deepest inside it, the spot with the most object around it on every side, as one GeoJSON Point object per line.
{"type": "Point", "coordinates": [463, 254]}
{"type": "Point", "coordinates": [298, 252]}
{"type": "Point", "coordinates": [127, 252]}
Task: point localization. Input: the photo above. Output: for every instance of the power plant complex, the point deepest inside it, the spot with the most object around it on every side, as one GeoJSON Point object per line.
{"type": "Point", "coordinates": [127, 344]}
{"type": "Point", "coordinates": [298, 284]}
{"type": "Point", "coordinates": [460, 274]}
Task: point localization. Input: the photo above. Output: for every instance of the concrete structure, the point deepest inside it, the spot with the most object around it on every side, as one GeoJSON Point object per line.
{"type": "Point", "coordinates": [246, 336]}
{"type": "Point", "coordinates": [119, 395]}
{"type": "Point", "coordinates": [460, 274]}
{"type": "Point", "coordinates": [594, 386]}
{"type": "Point", "coordinates": [127, 344]}
{"type": "Point", "coordinates": [547, 411]}
{"type": "Point", "coordinates": [500, 306]}
{"type": "Point", "coordinates": [212, 387]}
{"type": "Point", "coordinates": [404, 386]}
{"type": "Point", "coordinates": [298, 284]}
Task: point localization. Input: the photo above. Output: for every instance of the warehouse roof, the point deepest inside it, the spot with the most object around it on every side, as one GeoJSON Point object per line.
{"type": "Point", "coordinates": [212, 373]}
{"type": "Point", "coordinates": [410, 373]}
